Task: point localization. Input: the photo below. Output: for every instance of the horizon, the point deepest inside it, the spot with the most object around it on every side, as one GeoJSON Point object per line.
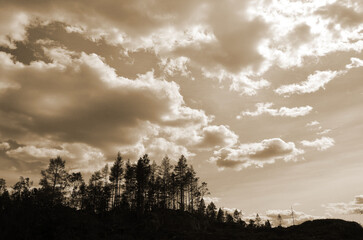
{"type": "Point", "coordinates": [263, 98]}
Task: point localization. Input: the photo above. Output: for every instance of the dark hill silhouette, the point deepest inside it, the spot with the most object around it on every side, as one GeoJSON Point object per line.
{"type": "Point", "coordinates": [61, 222]}
{"type": "Point", "coordinates": [137, 201]}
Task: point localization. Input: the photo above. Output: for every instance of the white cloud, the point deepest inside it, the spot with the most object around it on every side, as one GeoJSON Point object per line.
{"type": "Point", "coordinates": [320, 144]}
{"type": "Point", "coordinates": [312, 123]}
{"type": "Point", "coordinates": [324, 132]}
{"type": "Point", "coordinates": [79, 156]}
{"type": "Point", "coordinates": [216, 136]}
{"type": "Point", "coordinates": [352, 207]}
{"type": "Point", "coordinates": [240, 82]}
{"type": "Point", "coordinates": [208, 200]}
{"type": "Point", "coordinates": [78, 91]}
{"type": "Point", "coordinates": [176, 65]}
{"type": "Point", "coordinates": [263, 108]}
{"type": "Point", "coordinates": [4, 146]}
{"type": "Point", "coordinates": [12, 27]}
{"type": "Point", "coordinates": [256, 154]}
{"type": "Point", "coordinates": [303, 29]}
{"type": "Point", "coordinates": [355, 63]}
{"type": "Point", "coordinates": [314, 82]}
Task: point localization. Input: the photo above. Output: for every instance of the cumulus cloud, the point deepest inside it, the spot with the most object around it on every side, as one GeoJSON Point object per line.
{"type": "Point", "coordinates": [256, 154]}
{"type": "Point", "coordinates": [314, 82]}
{"type": "Point", "coordinates": [308, 29]}
{"type": "Point", "coordinates": [320, 144]}
{"type": "Point", "coordinates": [265, 108]}
{"type": "Point", "coordinates": [80, 98]}
{"type": "Point", "coordinates": [355, 63]}
{"type": "Point", "coordinates": [79, 156]}
{"type": "Point", "coordinates": [217, 137]}
{"type": "Point", "coordinates": [352, 207]}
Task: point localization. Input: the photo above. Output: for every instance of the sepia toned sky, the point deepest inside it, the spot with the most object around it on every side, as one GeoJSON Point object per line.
{"type": "Point", "coordinates": [264, 98]}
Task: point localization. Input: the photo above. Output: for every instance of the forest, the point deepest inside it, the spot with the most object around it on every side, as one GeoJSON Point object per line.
{"type": "Point", "coordinates": [140, 200]}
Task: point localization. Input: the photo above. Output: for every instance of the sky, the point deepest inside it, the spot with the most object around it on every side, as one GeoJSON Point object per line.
{"type": "Point", "coordinates": [264, 97]}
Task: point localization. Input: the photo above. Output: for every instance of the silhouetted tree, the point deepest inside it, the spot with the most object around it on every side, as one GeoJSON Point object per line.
{"type": "Point", "coordinates": [2, 186]}
{"type": "Point", "coordinates": [236, 215]}
{"type": "Point", "coordinates": [192, 187]}
{"type": "Point", "coordinates": [152, 187]}
{"type": "Point", "coordinates": [116, 178]}
{"type": "Point", "coordinates": [251, 223]}
{"type": "Point", "coordinates": [129, 194]}
{"type": "Point", "coordinates": [21, 189]}
{"type": "Point", "coordinates": [258, 220]}
{"type": "Point", "coordinates": [76, 182]}
{"type": "Point", "coordinates": [165, 172]}
{"type": "Point", "coordinates": [220, 215]}
{"type": "Point", "coordinates": [4, 195]}
{"type": "Point", "coordinates": [229, 217]}
{"type": "Point", "coordinates": [54, 179]}
{"type": "Point", "coordinates": [211, 211]}
{"type": "Point", "coordinates": [180, 175]}
{"type": "Point", "coordinates": [279, 219]}
{"type": "Point", "coordinates": [142, 179]}
{"type": "Point", "coordinates": [267, 224]}
{"type": "Point", "coordinates": [98, 193]}
{"type": "Point", "coordinates": [201, 207]}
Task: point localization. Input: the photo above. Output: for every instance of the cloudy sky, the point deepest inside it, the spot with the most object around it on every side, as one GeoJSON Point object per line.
{"type": "Point", "coordinates": [264, 98]}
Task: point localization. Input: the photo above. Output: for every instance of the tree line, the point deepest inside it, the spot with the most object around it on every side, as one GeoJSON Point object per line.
{"type": "Point", "coordinates": [139, 187]}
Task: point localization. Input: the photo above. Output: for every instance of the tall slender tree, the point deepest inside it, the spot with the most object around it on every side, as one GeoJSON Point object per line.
{"type": "Point", "coordinates": [165, 172]}
{"type": "Point", "coordinates": [142, 178]}
{"type": "Point", "coordinates": [180, 174]}
{"type": "Point", "coordinates": [116, 178]}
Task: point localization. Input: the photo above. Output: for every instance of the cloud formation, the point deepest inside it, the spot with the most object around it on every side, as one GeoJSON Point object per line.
{"type": "Point", "coordinates": [79, 99]}
{"type": "Point", "coordinates": [353, 207]}
{"type": "Point", "coordinates": [320, 144]}
{"type": "Point", "coordinates": [314, 82]}
{"type": "Point", "coordinates": [355, 63]}
{"type": "Point", "coordinates": [256, 154]}
{"type": "Point", "coordinates": [265, 108]}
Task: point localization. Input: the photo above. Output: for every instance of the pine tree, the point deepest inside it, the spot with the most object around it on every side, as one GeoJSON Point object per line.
{"type": "Point", "coordinates": [75, 181]}
{"type": "Point", "coordinates": [220, 215]}
{"type": "Point", "coordinates": [236, 215]}
{"type": "Point", "coordinates": [180, 174]}
{"type": "Point", "coordinates": [211, 211]}
{"type": "Point", "coordinates": [116, 178]}
{"type": "Point", "coordinates": [165, 172]}
{"type": "Point", "coordinates": [258, 220]}
{"type": "Point", "coordinates": [279, 218]}
{"type": "Point", "coordinates": [129, 195]}
{"type": "Point", "coordinates": [201, 207]}
{"type": "Point", "coordinates": [54, 179]}
{"type": "Point", "coordinates": [229, 217]}
{"type": "Point", "coordinates": [142, 178]}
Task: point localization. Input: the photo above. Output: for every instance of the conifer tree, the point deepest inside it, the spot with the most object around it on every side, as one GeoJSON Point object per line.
{"type": "Point", "coordinates": [116, 175]}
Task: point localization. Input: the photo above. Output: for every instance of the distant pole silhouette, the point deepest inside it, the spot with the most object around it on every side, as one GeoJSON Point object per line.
{"type": "Point", "coordinates": [292, 215]}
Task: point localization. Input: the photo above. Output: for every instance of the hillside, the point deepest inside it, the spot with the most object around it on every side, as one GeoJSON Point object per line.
{"type": "Point", "coordinates": [66, 223]}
